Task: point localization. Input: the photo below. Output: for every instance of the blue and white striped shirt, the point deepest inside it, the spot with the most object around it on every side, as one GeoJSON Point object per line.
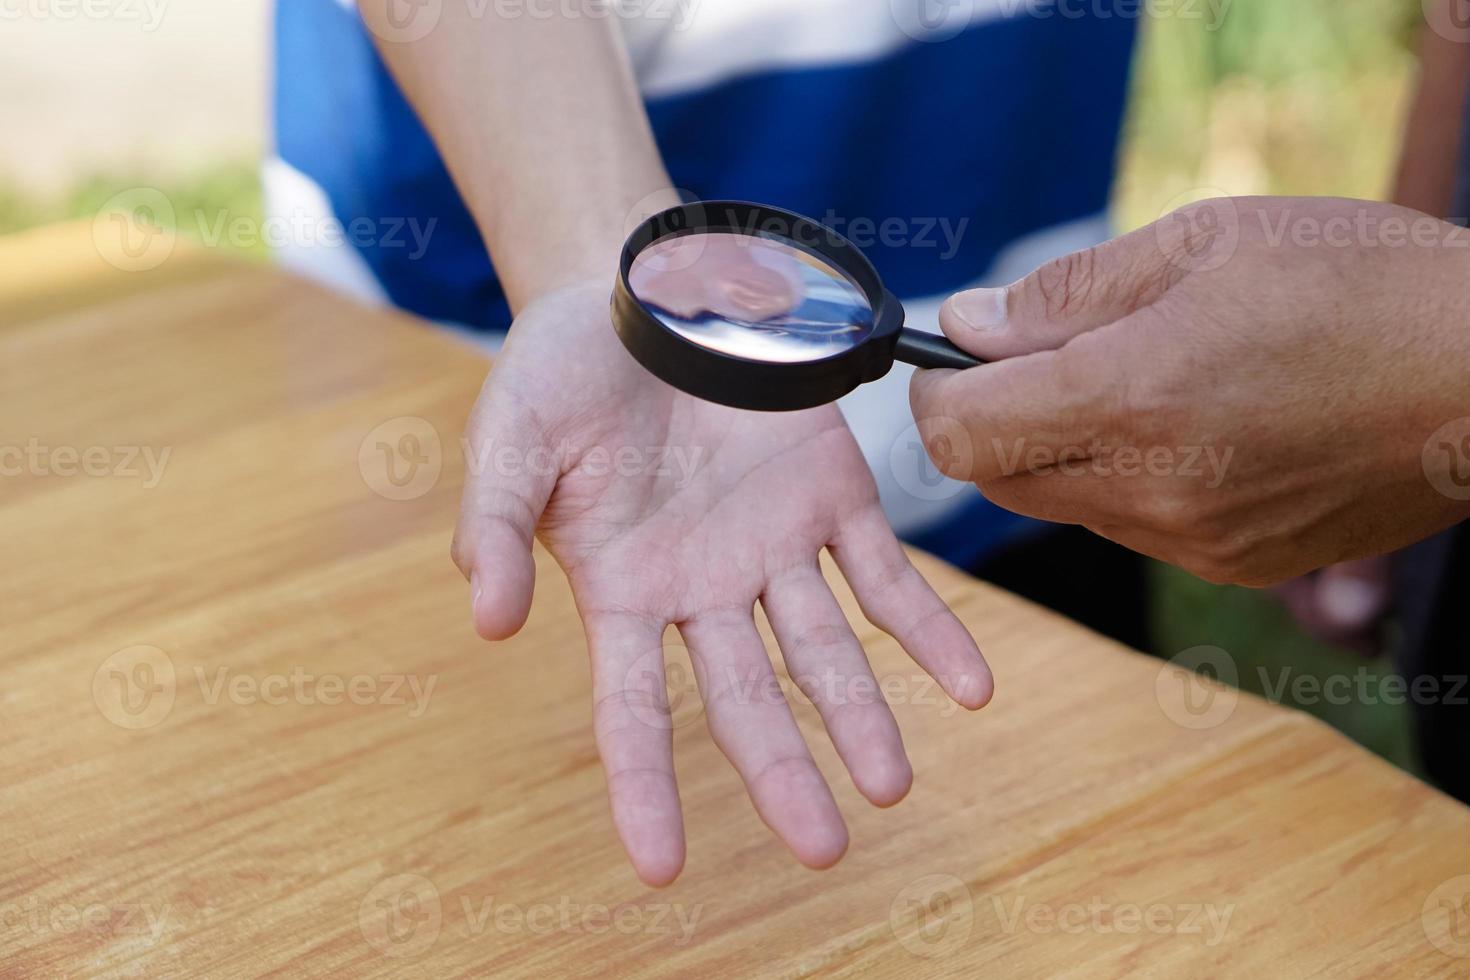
{"type": "Point", "coordinates": [963, 151]}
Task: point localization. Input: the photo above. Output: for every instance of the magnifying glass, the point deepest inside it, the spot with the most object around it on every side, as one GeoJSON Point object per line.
{"type": "Point", "coordinates": [758, 308]}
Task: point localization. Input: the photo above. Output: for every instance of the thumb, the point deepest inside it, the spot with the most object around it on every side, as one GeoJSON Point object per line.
{"type": "Point", "coordinates": [510, 473]}
{"type": "Point", "coordinates": [1063, 298]}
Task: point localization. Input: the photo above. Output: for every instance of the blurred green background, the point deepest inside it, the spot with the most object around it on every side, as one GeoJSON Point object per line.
{"type": "Point", "coordinates": [1282, 97]}
{"type": "Point", "coordinates": [1256, 97]}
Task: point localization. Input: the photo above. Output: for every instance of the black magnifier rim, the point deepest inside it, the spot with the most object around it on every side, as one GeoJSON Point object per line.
{"type": "Point", "coordinates": [742, 382]}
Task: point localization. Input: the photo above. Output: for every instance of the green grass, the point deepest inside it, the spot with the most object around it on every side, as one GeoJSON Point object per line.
{"type": "Point", "coordinates": [226, 190]}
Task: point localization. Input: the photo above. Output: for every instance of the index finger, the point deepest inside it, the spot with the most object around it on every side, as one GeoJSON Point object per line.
{"type": "Point", "coordinates": [1012, 416]}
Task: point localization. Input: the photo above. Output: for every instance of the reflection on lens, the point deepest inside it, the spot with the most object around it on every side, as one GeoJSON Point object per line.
{"type": "Point", "coordinates": [758, 298]}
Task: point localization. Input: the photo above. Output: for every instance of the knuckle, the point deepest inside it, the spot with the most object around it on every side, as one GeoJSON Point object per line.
{"type": "Point", "coordinates": [1065, 284]}
{"type": "Point", "coordinates": [1121, 404]}
{"type": "Point", "coordinates": [727, 698]}
{"type": "Point", "coordinates": [788, 766]}
{"type": "Point", "coordinates": [1104, 277]}
{"type": "Point", "coordinates": [1232, 549]}
{"type": "Point", "coordinates": [630, 709]}
{"type": "Point", "coordinates": [950, 461]}
{"type": "Point", "coordinates": [1212, 570]}
{"type": "Point", "coordinates": [1198, 236]}
{"type": "Point", "coordinates": [1232, 565]}
{"type": "Point", "coordinates": [1194, 226]}
{"type": "Point", "coordinates": [634, 780]}
{"type": "Point", "coordinates": [1154, 398]}
{"type": "Point", "coordinates": [894, 574]}
{"type": "Point", "coordinates": [1258, 563]}
{"type": "Point", "coordinates": [1214, 566]}
{"type": "Point", "coordinates": [1093, 409]}
{"type": "Point", "coordinates": [817, 641]}
{"type": "Point", "coordinates": [460, 551]}
{"type": "Point", "coordinates": [1259, 578]}
{"type": "Point", "coordinates": [948, 444]}
{"type": "Point", "coordinates": [510, 506]}
{"type": "Point", "coordinates": [1170, 512]}
{"type": "Point", "coordinates": [1149, 283]}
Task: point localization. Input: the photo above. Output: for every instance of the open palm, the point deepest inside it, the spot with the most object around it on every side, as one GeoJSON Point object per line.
{"type": "Point", "coordinates": [663, 509]}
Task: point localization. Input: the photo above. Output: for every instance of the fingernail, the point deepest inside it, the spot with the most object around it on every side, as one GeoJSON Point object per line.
{"type": "Point", "coordinates": [475, 592]}
{"type": "Point", "coordinates": [982, 309]}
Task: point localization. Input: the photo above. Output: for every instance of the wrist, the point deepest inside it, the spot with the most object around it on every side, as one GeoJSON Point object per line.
{"type": "Point", "coordinates": [578, 240]}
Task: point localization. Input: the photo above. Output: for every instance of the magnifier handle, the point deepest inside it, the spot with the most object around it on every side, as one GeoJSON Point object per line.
{"type": "Point", "coordinates": [926, 350]}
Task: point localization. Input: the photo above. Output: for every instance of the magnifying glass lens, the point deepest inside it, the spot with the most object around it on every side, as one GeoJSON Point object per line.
{"type": "Point", "coordinates": [758, 308]}
{"type": "Point", "coordinates": [751, 296]}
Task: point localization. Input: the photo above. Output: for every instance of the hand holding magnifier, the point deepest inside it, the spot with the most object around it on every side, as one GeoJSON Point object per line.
{"type": "Point", "coordinates": [759, 308]}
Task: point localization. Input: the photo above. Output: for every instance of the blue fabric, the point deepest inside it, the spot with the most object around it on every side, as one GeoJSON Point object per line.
{"type": "Point", "coordinates": [341, 120]}
{"type": "Point", "coordinates": [1008, 128]}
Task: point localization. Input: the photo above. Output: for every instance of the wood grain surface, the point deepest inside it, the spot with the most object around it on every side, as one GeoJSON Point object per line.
{"type": "Point", "coordinates": [248, 729]}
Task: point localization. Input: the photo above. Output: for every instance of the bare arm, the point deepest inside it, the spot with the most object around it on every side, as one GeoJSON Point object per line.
{"type": "Point", "coordinates": [1427, 167]}
{"type": "Point", "coordinates": [542, 128]}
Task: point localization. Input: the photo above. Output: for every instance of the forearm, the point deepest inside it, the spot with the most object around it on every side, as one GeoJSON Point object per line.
{"type": "Point", "coordinates": [541, 126]}
{"type": "Point", "coordinates": [1431, 149]}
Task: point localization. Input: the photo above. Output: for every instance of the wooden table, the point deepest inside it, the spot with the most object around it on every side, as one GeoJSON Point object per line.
{"type": "Point", "coordinates": [216, 761]}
